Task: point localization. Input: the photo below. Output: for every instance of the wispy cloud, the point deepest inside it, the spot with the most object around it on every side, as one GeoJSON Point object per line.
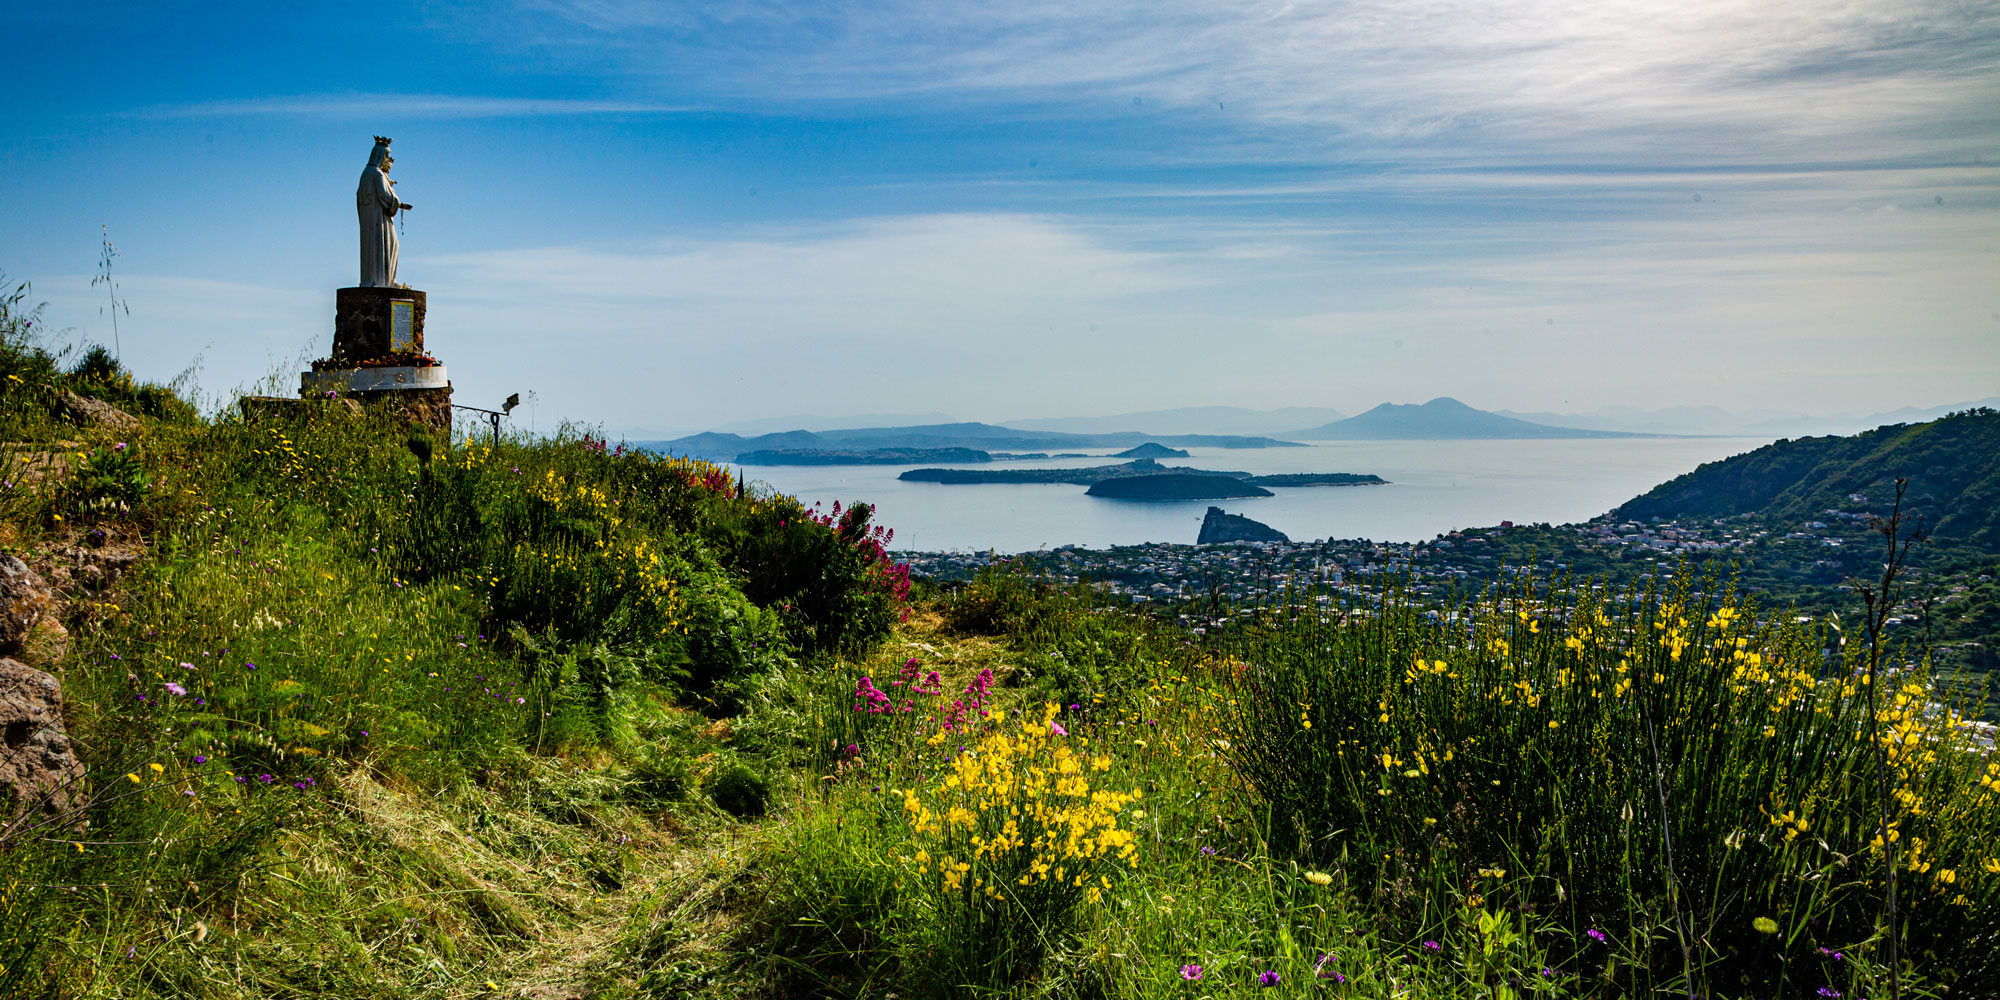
{"type": "Point", "coordinates": [404, 106]}
{"type": "Point", "coordinates": [1722, 80]}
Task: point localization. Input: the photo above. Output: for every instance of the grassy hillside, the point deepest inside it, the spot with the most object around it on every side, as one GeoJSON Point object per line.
{"type": "Point", "coordinates": [367, 713]}
{"type": "Point", "coordinates": [1953, 464]}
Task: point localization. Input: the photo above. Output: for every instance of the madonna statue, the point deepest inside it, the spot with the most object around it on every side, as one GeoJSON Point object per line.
{"type": "Point", "coordinates": [377, 204]}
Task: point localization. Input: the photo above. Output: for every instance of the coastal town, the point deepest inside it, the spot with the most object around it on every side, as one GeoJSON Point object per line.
{"type": "Point", "coordinates": [1251, 572]}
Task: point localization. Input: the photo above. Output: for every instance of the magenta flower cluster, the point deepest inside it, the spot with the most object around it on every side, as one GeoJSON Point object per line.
{"type": "Point", "coordinates": [970, 704]}
{"type": "Point", "coordinates": [872, 541]}
{"type": "Point", "coordinates": [871, 699]}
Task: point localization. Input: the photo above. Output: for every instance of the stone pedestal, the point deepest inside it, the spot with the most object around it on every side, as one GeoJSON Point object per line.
{"type": "Point", "coordinates": [430, 407]}
{"type": "Point", "coordinates": [372, 322]}
{"type": "Point", "coordinates": [374, 329]}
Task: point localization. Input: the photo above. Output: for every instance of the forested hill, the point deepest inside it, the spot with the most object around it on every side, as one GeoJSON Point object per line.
{"type": "Point", "coordinates": [1952, 463]}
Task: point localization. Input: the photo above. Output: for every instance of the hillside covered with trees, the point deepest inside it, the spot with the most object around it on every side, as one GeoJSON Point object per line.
{"type": "Point", "coordinates": [1950, 463]}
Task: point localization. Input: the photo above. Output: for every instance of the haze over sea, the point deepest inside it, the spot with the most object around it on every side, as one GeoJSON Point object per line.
{"type": "Point", "coordinates": [1434, 487]}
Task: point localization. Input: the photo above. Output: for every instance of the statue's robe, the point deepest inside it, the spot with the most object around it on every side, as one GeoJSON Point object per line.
{"type": "Point", "coordinates": [376, 202]}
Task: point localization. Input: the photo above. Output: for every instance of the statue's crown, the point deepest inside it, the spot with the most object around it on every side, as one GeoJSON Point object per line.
{"type": "Point", "coordinates": [383, 140]}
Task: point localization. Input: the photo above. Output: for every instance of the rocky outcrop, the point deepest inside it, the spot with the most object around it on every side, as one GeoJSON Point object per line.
{"type": "Point", "coordinates": [89, 412]}
{"type": "Point", "coordinates": [1219, 527]}
{"type": "Point", "coordinates": [38, 772]}
{"type": "Point", "coordinates": [93, 567]}
{"type": "Point", "coordinates": [24, 599]}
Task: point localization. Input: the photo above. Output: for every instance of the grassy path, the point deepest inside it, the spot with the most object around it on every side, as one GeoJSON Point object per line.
{"type": "Point", "coordinates": [675, 926]}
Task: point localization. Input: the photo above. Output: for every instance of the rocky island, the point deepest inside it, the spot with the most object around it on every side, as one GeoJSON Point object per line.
{"type": "Point", "coordinates": [1220, 527]}
{"type": "Point", "coordinates": [1152, 449]}
{"type": "Point", "coordinates": [1175, 486]}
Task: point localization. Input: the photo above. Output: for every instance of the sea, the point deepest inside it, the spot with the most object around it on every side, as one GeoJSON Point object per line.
{"type": "Point", "coordinates": [1434, 487]}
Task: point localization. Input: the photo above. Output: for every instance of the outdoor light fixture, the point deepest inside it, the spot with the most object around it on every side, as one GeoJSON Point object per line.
{"type": "Point", "coordinates": [493, 416]}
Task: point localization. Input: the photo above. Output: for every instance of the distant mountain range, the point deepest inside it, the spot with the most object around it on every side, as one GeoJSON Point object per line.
{"type": "Point", "coordinates": [1190, 420]}
{"type": "Point", "coordinates": [1441, 418]}
{"type": "Point", "coordinates": [986, 437]}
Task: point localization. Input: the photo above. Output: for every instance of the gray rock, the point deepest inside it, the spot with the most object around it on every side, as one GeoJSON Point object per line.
{"type": "Point", "coordinates": [24, 599]}
{"type": "Point", "coordinates": [97, 413]}
{"type": "Point", "coordinates": [93, 568]}
{"type": "Point", "coordinates": [38, 773]}
{"type": "Point", "coordinates": [1219, 527]}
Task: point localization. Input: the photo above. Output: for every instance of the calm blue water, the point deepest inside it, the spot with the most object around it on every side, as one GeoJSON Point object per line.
{"type": "Point", "coordinates": [1435, 486]}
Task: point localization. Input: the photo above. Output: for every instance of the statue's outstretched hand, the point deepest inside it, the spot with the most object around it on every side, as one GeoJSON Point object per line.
{"type": "Point", "coordinates": [407, 205]}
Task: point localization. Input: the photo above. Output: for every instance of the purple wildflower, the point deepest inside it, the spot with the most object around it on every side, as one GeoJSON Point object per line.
{"type": "Point", "coordinates": [1191, 973]}
{"type": "Point", "coordinates": [175, 689]}
{"type": "Point", "coordinates": [200, 759]}
{"type": "Point", "coordinates": [1267, 979]}
{"type": "Point", "coordinates": [1595, 935]}
{"type": "Point", "coordinates": [1433, 947]}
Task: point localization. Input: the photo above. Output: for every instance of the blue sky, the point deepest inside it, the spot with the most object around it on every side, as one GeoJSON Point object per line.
{"type": "Point", "coordinates": [664, 217]}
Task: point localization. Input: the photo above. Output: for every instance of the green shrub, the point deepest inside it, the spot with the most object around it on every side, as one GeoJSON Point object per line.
{"type": "Point", "coordinates": [108, 479]}
{"type": "Point", "coordinates": [29, 375]}
{"type": "Point", "coordinates": [739, 789]}
{"type": "Point", "coordinates": [98, 374]}
{"type": "Point", "coordinates": [726, 642]}
{"type": "Point", "coordinates": [98, 365]}
{"type": "Point", "coordinates": [1075, 647]}
{"type": "Point", "coordinates": [836, 592]}
{"type": "Point", "coordinates": [1537, 738]}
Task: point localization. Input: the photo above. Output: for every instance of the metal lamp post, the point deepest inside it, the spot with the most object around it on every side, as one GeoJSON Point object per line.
{"type": "Point", "coordinates": [493, 416]}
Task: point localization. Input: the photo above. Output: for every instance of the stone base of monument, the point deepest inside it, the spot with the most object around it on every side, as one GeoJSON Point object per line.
{"type": "Point", "coordinates": [344, 381]}
{"type": "Point", "coordinates": [430, 407]}
{"type": "Point", "coordinates": [372, 322]}
{"type": "Point", "coordinates": [257, 409]}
